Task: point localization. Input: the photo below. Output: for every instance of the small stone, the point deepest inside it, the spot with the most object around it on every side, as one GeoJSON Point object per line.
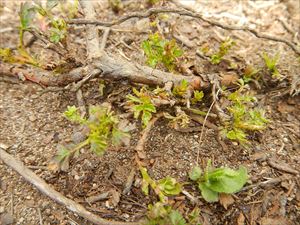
{"type": "Point", "coordinates": [32, 118]}
{"type": "Point", "coordinates": [2, 209]}
{"type": "Point", "coordinates": [76, 177]}
{"type": "Point", "coordinates": [21, 220]}
{"type": "Point", "coordinates": [78, 137]}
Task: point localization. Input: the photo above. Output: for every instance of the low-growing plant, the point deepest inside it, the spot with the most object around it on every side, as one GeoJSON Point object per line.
{"type": "Point", "coordinates": [181, 89]}
{"type": "Point", "coordinates": [213, 181]}
{"type": "Point", "coordinates": [224, 47]}
{"type": "Point", "coordinates": [250, 74]}
{"type": "Point", "coordinates": [197, 97]}
{"type": "Point", "coordinates": [243, 117]}
{"type": "Point", "coordinates": [162, 214]}
{"type": "Point", "coordinates": [180, 120]}
{"type": "Point", "coordinates": [103, 129]}
{"type": "Point", "coordinates": [162, 188]}
{"type": "Point", "coordinates": [271, 63]}
{"type": "Point", "coordinates": [141, 104]}
{"type": "Point", "coordinates": [161, 51]}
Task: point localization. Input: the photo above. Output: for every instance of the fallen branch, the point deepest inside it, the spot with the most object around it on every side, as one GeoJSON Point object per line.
{"type": "Point", "coordinates": [106, 67]}
{"type": "Point", "coordinates": [185, 12]}
{"type": "Point", "coordinates": [42, 186]}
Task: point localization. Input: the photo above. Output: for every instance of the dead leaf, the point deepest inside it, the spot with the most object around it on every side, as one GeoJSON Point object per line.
{"type": "Point", "coordinates": [226, 200]}
{"type": "Point", "coordinates": [285, 108]}
{"type": "Point", "coordinates": [229, 78]}
{"type": "Point", "coordinates": [241, 219]}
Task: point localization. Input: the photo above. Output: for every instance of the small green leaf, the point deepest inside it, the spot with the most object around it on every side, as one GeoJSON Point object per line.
{"type": "Point", "coordinates": [195, 173]}
{"type": "Point", "coordinates": [208, 194]}
{"type": "Point", "coordinates": [73, 115]}
{"type": "Point", "coordinates": [169, 186]}
{"type": "Point", "coordinates": [176, 218]}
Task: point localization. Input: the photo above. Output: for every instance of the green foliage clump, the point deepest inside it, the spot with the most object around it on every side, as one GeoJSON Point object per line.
{"type": "Point", "coordinates": [163, 188]}
{"type": "Point", "coordinates": [218, 180]}
{"type": "Point", "coordinates": [102, 125]}
{"type": "Point", "coordinates": [244, 117]}
{"type": "Point", "coordinates": [224, 47]}
{"type": "Point", "coordinates": [250, 74]}
{"type": "Point", "coordinates": [271, 63]}
{"type": "Point", "coordinates": [141, 104]}
{"type": "Point", "coordinates": [181, 89]}
{"type": "Point", "coordinates": [161, 214]}
{"type": "Point", "coordinates": [161, 51]}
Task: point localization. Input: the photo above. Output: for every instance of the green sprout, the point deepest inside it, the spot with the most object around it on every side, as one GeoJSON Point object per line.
{"type": "Point", "coordinates": [225, 46]}
{"type": "Point", "coordinates": [243, 117]}
{"type": "Point", "coordinates": [102, 126]}
{"type": "Point", "coordinates": [271, 63]}
{"type": "Point", "coordinates": [141, 105]}
{"type": "Point", "coordinates": [161, 51]}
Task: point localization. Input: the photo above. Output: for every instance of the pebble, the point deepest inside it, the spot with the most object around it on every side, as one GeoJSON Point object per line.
{"type": "Point", "coordinates": [32, 118]}
{"type": "Point", "coordinates": [2, 209]}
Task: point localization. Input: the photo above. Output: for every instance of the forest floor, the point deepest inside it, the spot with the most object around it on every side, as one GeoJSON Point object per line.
{"type": "Point", "coordinates": [32, 125]}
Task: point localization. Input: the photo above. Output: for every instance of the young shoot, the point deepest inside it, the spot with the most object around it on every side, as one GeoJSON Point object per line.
{"type": "Point", "coordinates": [161, 51]}
{"type": "Point", "coordinates": [224, 47]}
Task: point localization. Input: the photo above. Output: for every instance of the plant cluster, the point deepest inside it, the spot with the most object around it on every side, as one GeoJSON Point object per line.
{"type": "Point", "coordinates": [41, 19]}
{"type": "Point", "coordinates": [271, 64]}
{"type": "Point", "coordinates": [243, 116]}
{"type": "Point", "coordinates": [102, 127]}
{"type": "Point", "coordinates": [141, 104]}
{"type": "Point", "coordinates": [211, 182]}
{"type": "Point", "coordinates": [161, 51]}
{"type": "Point", "coordinates": [224, 47]}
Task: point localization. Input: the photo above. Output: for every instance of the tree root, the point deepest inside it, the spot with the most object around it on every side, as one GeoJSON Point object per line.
{"type": "Point", "coordinates": [42, 186]}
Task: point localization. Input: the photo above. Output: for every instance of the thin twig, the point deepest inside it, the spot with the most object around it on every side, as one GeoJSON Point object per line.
{"type": "Point", "coordinates": [185, 12]}
{"type": "Point", "coordinates": [203, 125]}
{"type": "Point", "coordinates": [42, 186]}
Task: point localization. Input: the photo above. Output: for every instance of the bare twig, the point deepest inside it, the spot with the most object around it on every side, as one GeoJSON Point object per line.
{"type": "Point", "coordinates": [42, 186]}
{"type": "Point", "coordinates": [141, 143]}
{"type": "Point", "coordinates": [185, 12]}
{"type": "Point", "coordinates": [81, 103]}
{"type": "Point", "coordinates": [203, 125]}
{"type": "Point", "coordinates": [282, 166]}
{"type": "Point", "coordinates": [104, 39]}
{"type": "Point", "coordinates": [129, 181]}
{"type": "Point", "coordinates": [92, 36]}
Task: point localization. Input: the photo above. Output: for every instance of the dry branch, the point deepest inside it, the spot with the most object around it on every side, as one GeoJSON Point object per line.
{"type": "Point", "coordinates": [42, 186]}
{"type": "Point", "coordinates": [185, 12]}
{"type": "Point", "coordinates": [106, 67]}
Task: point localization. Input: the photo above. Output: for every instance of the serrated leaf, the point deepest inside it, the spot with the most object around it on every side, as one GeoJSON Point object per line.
{"type": "Point", "coordinates": [146, 117]}
{"type": "Point", "coordinates": [176, 218]}
{"type": "Point", "coordinates": [208, 194]}
{"type": "Point", "coordinates": [195, 173]}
